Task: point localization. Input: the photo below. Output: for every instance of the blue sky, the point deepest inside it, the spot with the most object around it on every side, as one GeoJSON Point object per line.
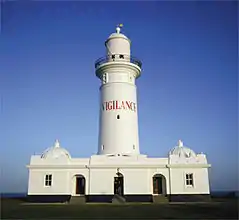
{"type": "Point", "coordinates": [188, 88]}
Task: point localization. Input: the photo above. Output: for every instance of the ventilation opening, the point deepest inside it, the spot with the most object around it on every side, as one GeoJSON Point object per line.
{"type": "Point", "coordinates": [118, 116]}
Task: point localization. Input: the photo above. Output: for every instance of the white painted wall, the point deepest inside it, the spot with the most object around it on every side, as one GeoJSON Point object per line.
{"type": "Point", "coordinates": [60, 182]}
{"type": "Point", "coordinates": [118, 136]}
{"type": "Point", "coordinates": [136, 181]}
{"type": "Point", "coordinates": [178, 181]}
{"type": "Point", "coordinates": [101, 181]}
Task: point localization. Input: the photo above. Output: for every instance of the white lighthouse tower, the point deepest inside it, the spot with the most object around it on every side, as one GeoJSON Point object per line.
{"type": "Point", "coordinates": [118, 125]}
{"type": "Point", "coordinates": [118, 172]}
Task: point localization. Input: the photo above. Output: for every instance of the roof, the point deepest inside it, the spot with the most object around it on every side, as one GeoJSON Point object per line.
{"type": "Point", "coordinates": [55, 152]}
{"type": "Point", "coordinates": [117, 35]}
{"type": "Point", "coordinates": [182, 151]}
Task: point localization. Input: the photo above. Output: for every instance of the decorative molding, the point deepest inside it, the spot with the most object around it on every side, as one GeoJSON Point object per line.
{"type": "Point", "coordinates": [118, 64]}
{"type": "Point", "coordinates": [99, 166]}
{"type": "Point", "coordinates": [115, 166]}
{"type": "Point", "coordinates": [188, 165]}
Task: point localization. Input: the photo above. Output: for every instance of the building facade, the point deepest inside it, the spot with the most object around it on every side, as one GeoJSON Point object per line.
{"type": "Point", "coordinates": [118, 169]}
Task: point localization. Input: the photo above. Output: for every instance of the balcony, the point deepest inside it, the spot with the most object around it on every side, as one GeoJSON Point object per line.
{"type": "Point", "coordinates": [118, 58]}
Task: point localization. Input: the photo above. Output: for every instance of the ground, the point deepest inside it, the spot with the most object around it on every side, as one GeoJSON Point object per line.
{"type": "Point", "coordinates": [17, 209]}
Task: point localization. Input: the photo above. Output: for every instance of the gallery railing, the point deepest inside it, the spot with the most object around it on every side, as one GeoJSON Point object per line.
{"type": "Point", "coordinates": [118, 58]}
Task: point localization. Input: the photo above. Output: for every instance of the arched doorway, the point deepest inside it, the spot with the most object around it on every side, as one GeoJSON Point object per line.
{"type": "Point", "coordinates": [80, 185]}
{"type": "Point", "coordinates": [159, 184]}
{"type": "Point", "coordinates": [119, 184]}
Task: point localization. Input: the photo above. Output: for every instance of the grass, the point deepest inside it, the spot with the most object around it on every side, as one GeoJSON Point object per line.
{"type": "Point", "coordinates": [16, 209]}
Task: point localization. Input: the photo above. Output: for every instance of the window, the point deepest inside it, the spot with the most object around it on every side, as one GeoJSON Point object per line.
{"type": "Point", "coordinates": [134, 147]}
{"type": "Point", "coordinates": [48, 180]}
{"type": "Point", "coordinates": [121, 56]}
{"type": "Point", "coordinates": [102, 147]}
{"type": "Point", "coordinates": [118, 116]}
{"type": "Point", "coordinates": [104, 78]}
{"type": "Point", "coordinates": [189, 179]}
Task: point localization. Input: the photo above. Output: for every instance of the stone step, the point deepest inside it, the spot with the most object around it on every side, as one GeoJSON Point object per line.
{"type": "Point", "coordinates": [160, 199]}
{"type": "Point", "coordinates": [117, 199]}
{"type": "Point", "coordinates": [78, 200]}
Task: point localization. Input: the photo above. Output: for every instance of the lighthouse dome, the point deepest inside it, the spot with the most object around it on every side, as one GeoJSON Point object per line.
{"type": "Point", "coordinates": [55, 152]}
{"type": "Point", "coordinates": [117, 35]}
{"type": "Point", "coordinates": [117, 44]}
{"type": "Point", "coordinates": [182, 151]}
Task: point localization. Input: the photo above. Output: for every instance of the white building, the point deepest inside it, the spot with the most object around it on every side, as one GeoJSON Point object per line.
{"type": "Point", "coordinates": [118, 170]}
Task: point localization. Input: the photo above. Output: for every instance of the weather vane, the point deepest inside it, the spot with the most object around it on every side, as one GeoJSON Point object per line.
{"type": "Point", "coordinates": [118, 28]}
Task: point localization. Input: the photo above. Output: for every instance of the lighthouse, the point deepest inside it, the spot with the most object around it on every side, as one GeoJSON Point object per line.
{"type": "Point", "coordinates": [118, 172]}
{"type": "Point", "coordinates": [118, 121]}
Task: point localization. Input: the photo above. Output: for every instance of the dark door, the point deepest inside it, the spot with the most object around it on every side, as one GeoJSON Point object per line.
{"type": "Point", "coordinates": [160, 185]}
{"type": "Point", "coordinates": [80, 185]}
{"type": "Point", "coordinates": [157, 185]}
{"type": "Point", "coordinates": [119, 186]}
